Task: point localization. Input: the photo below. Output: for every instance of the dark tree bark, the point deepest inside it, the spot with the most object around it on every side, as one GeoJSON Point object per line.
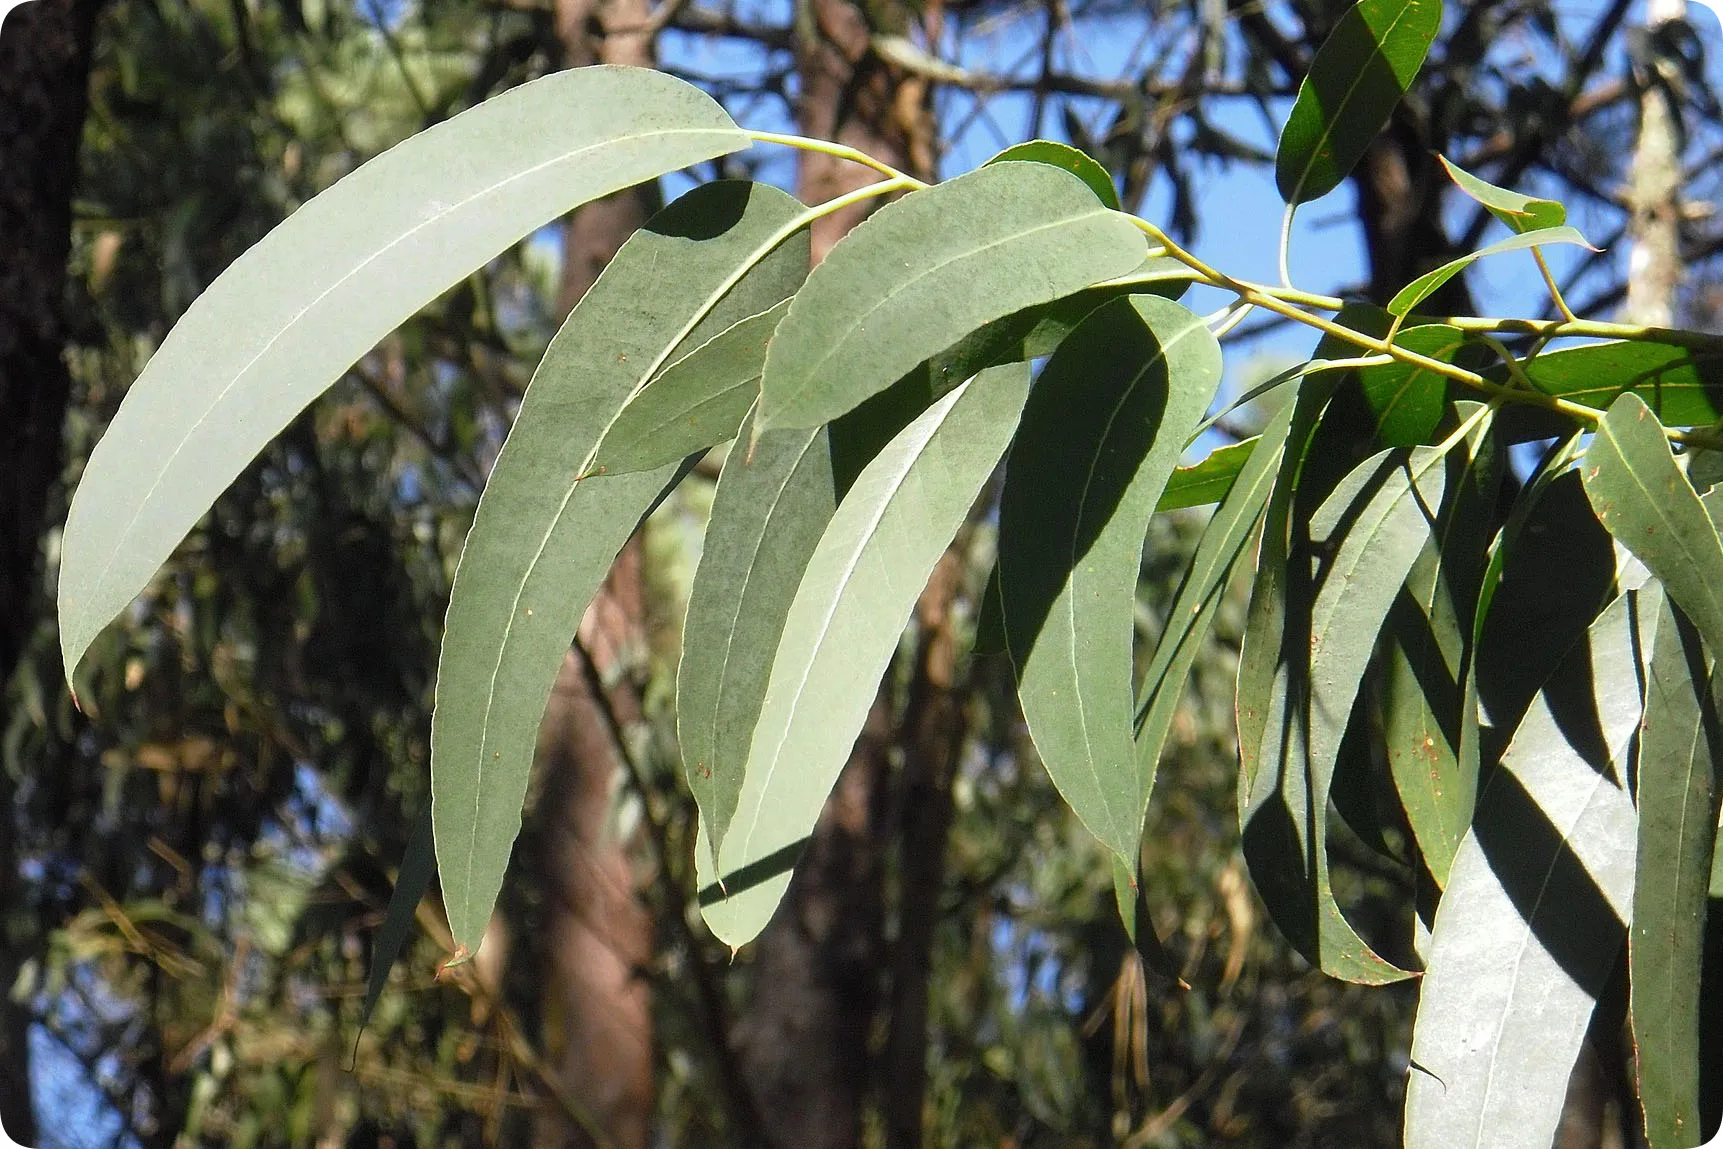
{"type": "Point", "coordinates": [44, 75]}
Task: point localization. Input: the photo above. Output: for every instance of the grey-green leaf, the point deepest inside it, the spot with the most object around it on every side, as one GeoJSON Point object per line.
{"type": "Point", "coordinates": [299, 308]}
{"type": "Point", "coordinates": [1066, 158]}
{"type": "Point", "coordinates": [696, 402]}
{"type": "Point", "coordinates": [1360, 546]}
{"type": "Point", "coordinates": [1533, 916]}
{"type": "Point", "coordinates": [922, 273]}
{"type": "Point", "coordinates": [1104, 429]}
{"type": "Point", "coordinates": [543, 538]}
{"type": "Point", "coordinates": [1641, 496]}
{"type": "Point", "coordinates": [768, 515]}
{"type": "Point", "coordinates": [1680, 749]}
{"type": "Point", "coordinates": [1407, 299]}
{"type": "Point", "coordinates": [848, 614]}
{"type": "Point", "coordinates": [1357, 78]}
{"type": "Point", "coordinates": [1199, 595]}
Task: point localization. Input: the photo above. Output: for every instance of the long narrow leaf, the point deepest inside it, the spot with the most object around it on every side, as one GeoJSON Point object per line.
{"type": "Point", "coordinates": [1407, 299]}
{"type": "Point", "coordinates": [1680, 750]}
{"type": "Point", "coordinates": [1534, 914]}
{"type": "Point", "coordinates": [418, 867]}
{"type": "Point", "coordinates": [1079, 493]}
{"type": "Point", "coordinates": [924, 272]}
{"type": "Point", "coordinates": [543, 538]}
{"type": "Point", "coordinates": [1641, 496]}
{"type": "Point", "coordinates": [767, 517]}
{"type": "Point", "coordinates": [1362, 543]}
{"type": "Point", "coordinates": [848, 614]}
{"type": "Point", "coordinates": [299, 308]}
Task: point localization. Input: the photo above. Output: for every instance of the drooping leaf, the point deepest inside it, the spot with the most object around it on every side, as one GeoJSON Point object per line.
{"type": "Point", "coordinates": [696, 402]}
{"type": "Point", "coordinates": [1680, 752]}
{"type": "Point", "coordinates": [1407, 299]}
{"type": "Point", "coordinates": [1409, 400]}
{"type": "Point", "coordinates": [1360, 546]}
{"type": "Point", "coordinates": [1684, 386]}
{"type": "Point", "coordinates": [1209, 480]}
{"type": "Point", "coordinates": [418, 866]}
{"type": "Point", "coordinates": [1521, 212]}
{"type": "Point", "coordinates": [858, 590]}
{"type": "Point", "coordinates": [922, 273]}
{"type": "Point", "coordinates": [1532, 920]}
{"type": "Point", "coordinates": [1078, 496]}
{"type": "Point", "coordinates": [1357, 78]}
{"type": "Point", "coordinates": [767, 517]}
{"type": "Point", "coordinates": [1427, 653]}
{"type": "Point", "coordinates": [294, 312]}
{"type": "Point", "coordinates": [543, 538]}
{"type": "Point", "coordinates": [1199, 595]}
{"type": "Point", "coordinates": [1139, 924]}
{"type": "Point", "coordinates": [1066, 158]}
{"type": "Point", "coordinates": [1641, 496]}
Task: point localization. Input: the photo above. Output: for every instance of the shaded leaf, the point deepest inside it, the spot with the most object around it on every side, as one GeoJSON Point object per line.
{"type": "Point", "coordinates": [849, 611]}
{"type": "Point", "coordinates": [767, 517]}
{"type": "Point", "coordinates": [1680, 750]}
{"type": "Point", "coordinates": [1533, 917]}
{"type": "Point", "coordinates": [1409, 400]}
{"type": "Point", "coordinates": [418, 866]}
{"type": "Point", "coordinates": [1521, 212]}
{"type": "Point", "coordinates": [1641, 496]}
{"type": "Point", "coordinates": [922, 273]}
{"type": "Point", "coordinates": [1078, 496]}
{"type": "Point", "coordinates": [543, 539]}
{"type": "Point", "coordinates": [1066, 158]}
{"type": "Point", "coordinates": [1139, 923]}
{"type": "Point", "coordinates": [1357, 78]}
{"type": "Point", "coordinates": [1407, 299]}
{"type": "Point", "coordinates": [1199, 595]}
{"type": "Point", "coordinates": [299, 308]}
{"type": "Point", "coordinates": [1361, 544]}
{"type": "Point", "coordinates": [1427, 652]}
{"type": "Point", "coordinates": [1209, 480]}
{"type": "Point", "coordinates": [696, 402]}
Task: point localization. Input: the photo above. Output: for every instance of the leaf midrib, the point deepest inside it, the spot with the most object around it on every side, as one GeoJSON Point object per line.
{"type": "Point", "coordinates": [1345, 102]}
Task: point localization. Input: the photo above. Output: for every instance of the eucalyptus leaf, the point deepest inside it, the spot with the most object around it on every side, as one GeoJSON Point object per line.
{"type": "Point", "coordinates": [1520, 212]}
{"type": "Point", "coordinates": [1643, 499]}
{"type": "Point", "coordinates": [843, 626]}
{"type": "Point", "coordinates": [299, 308]}
{"type": "Point", "coordinates": [1409, 400]}
{"type": "Point", "coordinates": [1407, 299]}
{"type": "Point", "coordinates": [1357, 78]}
{"type": "Point", "coordinates": [543, 537]}
{"type": "Point", "coordinates": [1078, 496]}
{"type": "Point", "coordinates": [1683, 385]}
{"type": "Point", "coordinates": [1534, 913]}
{"type": "Point", "coordinates": [412, 882]}
{"type": "Point", "coordinates": [1066, 158]}
{"type": "Point", "coordinates": [1360, 546]}
{"type": "Point", "coordinates": [1209, 480]}
{"type": "Point", "coordinates": [920, 274]}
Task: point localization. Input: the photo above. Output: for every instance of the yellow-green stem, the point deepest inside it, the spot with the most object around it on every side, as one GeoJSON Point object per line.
{"type": "Point", "coordinates": [840, 151]}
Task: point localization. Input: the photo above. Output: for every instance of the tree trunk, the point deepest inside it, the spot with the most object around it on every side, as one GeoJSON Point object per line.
{"type": "Point", "coordinates": [597, 934]}
{"type": "Point", "coordinates": [44, 74]}
{"type": "Point", "coordinates": [804, 1043]}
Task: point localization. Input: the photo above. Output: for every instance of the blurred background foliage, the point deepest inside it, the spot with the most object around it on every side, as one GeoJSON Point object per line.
{"type": "Point", "coordinates": [202, 856]}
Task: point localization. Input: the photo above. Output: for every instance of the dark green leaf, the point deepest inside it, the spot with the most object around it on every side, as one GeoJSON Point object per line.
{"type": "Point", "coordinates": [1532, 920]}
{"type": "Point", "coordinates": [1361, 545]}
{"type": "Point", "coordinates": [1066, 158]}
{"type": "Point", "coordinates": [418, 866]}
{"type": "Point", "coordinates": [1357, 78]}
{"type": "Point", "coordinates": [1409, 400]}
{"type": "Point", "coordinates": [543, 539]}
{"type": "Point", "coordinates": [1078, 496]}
{"type": "Point", "coordinates": [848, 614]}
{"type": "Point", "coordinates": [1682, 385]}
{"type": "Point", "coordinates": [294, 312]}
{"type": "Point", "coordinates": [922, 273]}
